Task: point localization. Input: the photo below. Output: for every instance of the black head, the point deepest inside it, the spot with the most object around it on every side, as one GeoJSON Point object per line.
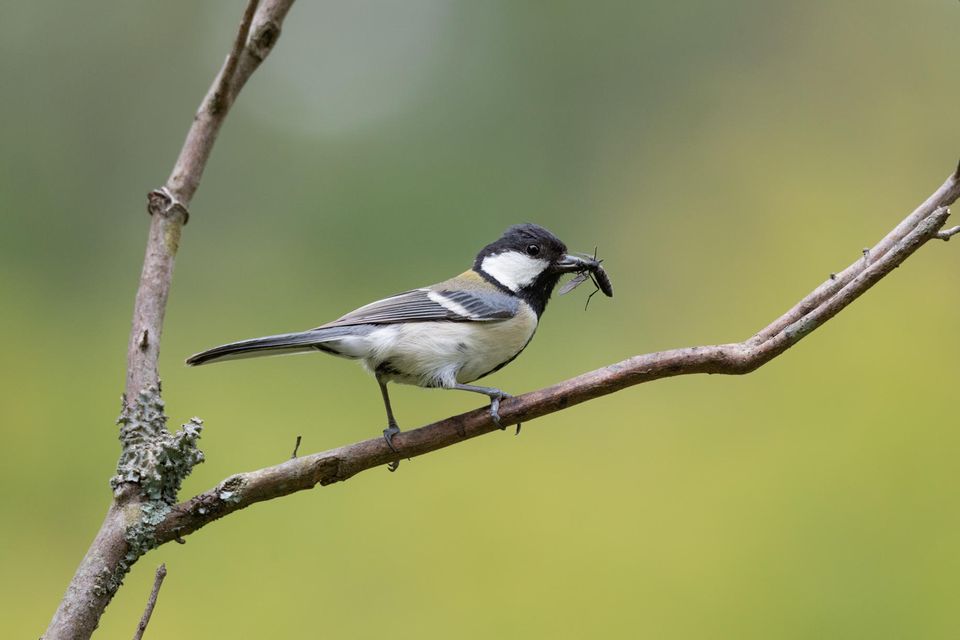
{"type": "Point", "coordinates": [527, 260]}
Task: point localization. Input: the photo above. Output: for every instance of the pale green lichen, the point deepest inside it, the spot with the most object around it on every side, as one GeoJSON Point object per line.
{"type": "Point", "coordinates": [153, 457]}
{"type": "Point", "coordinates": [140, 538]}
{"type": "Point", "coordinates": [157, 461]}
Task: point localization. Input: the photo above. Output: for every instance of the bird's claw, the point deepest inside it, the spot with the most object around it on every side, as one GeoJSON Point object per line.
{"type": "Point", "coordinates": [495, 411]}
{"type": "Point", "coordinates": [388, 434]}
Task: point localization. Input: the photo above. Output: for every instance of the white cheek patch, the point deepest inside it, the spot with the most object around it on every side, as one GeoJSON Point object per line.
{"type": "Point", "coordinates": [513, 269]}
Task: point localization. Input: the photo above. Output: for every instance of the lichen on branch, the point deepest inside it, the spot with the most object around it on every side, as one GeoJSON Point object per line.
{"type": "Point", "coordinates": [155, 460]}
{"type": "Point", "coordinates": [152, 457]}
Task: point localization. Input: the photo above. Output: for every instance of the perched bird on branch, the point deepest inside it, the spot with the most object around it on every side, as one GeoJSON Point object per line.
{"type": "Point", "coordinates": [448, 334]}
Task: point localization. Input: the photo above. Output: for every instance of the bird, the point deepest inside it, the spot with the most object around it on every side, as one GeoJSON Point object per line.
{"type": "Point", "coordinates": [446, 335]}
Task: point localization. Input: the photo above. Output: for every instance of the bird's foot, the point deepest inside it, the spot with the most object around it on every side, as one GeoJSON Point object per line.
{"type": "Point", "coordinates": [495, 408]}
{"type": "Point", "coordinates": [388, 434]}
{"type": "Point", "coordinates": [495, 411]}
{"type": "Point", "coordinates": [495, 395]}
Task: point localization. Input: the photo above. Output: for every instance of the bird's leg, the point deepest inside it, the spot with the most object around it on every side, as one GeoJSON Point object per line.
{"type": "Point", "coordinates": [495, 395]}
{"type": "Point", "coordinates": [392, 428]}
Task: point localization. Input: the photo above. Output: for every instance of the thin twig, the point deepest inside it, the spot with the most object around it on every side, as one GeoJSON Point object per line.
{"type": "Point", "coordinates": [336, 465]}
{"type": "Point", "coordinates": [296, 448]}
{"type": "Point", "coordinates": [946, 234]}
{"type": "Point", "coordinates": [151, 602]}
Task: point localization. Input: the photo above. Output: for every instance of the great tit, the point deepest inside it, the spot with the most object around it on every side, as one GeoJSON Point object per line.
{"type": "Point", "coordinates": [445, 335]}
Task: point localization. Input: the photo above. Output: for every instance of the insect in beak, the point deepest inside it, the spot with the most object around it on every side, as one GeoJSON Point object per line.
{"type": "Point", "coordinates": [589, 268]}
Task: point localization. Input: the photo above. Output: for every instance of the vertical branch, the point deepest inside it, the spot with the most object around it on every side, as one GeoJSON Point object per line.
{"type": "Point", "coordinates": [143, 349]}
{"type": "Point", "coordinates": [144, 487]}
{"type": "Point", "coordinates": [168, 205]}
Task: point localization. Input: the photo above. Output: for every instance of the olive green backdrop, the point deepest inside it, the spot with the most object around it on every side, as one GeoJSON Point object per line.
{"type": "Point", "coordinates": [725, 157]}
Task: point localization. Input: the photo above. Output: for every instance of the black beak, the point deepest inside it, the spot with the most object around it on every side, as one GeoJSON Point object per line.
{"type": "Point", "coordinates": [570, 264]}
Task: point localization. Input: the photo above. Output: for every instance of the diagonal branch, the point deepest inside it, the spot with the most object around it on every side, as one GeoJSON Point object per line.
{"type": "Point", "coordinates": [836, 293]}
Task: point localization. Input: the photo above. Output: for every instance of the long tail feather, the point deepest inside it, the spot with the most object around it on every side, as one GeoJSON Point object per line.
{"type": "Point", "coordinates": [284, 343]}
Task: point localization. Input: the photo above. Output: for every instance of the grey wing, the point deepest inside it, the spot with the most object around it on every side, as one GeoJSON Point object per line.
{"type": "Point", "coordinates": [422, 305]}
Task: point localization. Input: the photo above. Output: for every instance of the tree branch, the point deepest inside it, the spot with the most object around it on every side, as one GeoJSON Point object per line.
{"type": "Point", "coordinates": [154, 461]}
{"type": "Point", "coordinates": [168, 205]}
{"type": "Point", "coordinates": [148, 449]}
{"type": "Point", "coordinates": [151, 601]}
{"type": "Point", "coordinates": [837, 292]}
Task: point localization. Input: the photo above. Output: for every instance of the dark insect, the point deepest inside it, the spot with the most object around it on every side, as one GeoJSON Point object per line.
{"type": "Point", "coordinates": [593, 272]}
{"type": "Point", "coordinates": [602, 280]}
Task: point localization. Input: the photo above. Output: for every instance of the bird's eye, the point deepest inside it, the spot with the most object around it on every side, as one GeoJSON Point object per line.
{"type": "Point", "coordinates": [533, 250]}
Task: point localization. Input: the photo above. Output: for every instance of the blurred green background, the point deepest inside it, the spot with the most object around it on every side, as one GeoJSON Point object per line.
{"type": "Point", "coordinates": [724, 156]}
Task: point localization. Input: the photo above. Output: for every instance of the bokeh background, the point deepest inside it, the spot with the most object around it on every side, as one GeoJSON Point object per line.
{"type": "Point", "coordinates": [725, 157]}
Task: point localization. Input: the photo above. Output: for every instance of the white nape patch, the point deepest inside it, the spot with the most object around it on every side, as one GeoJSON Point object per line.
{"type": "Point", "coordinates": [450, 305]}
{"type": "Point", "coordinates": [513, 269]}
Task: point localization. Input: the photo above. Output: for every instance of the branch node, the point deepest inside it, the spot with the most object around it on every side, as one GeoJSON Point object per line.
{"type": "Point", "coordinates": [161, 201]}
{"type": "Point", "coordinates": [230, 488]}
{"type": "Point", "coordinates": [339, 474]}
{"type": "Point", "coordinates": [263, 39]}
